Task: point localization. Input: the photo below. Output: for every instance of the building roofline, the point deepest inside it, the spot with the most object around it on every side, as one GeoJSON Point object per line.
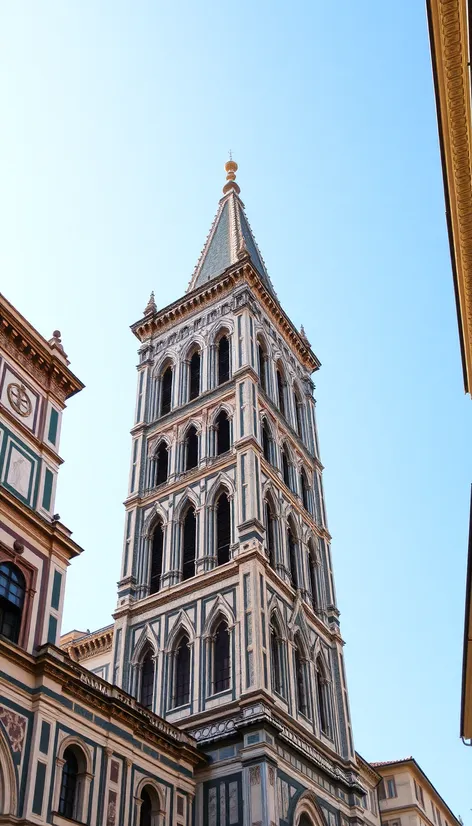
{"type": "Point", "coordinates": [410, 761]}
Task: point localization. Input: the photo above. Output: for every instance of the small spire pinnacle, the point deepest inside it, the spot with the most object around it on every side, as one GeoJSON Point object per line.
{"type": "Point", "coordinates": [151, 305]}
{"type": "Point", "coordinates": [231, 168]}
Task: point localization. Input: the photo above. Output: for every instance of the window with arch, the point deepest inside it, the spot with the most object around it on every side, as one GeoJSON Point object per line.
{"type": "Point", "coordinates": [221, 660]}
{"type": "Point", "coordinates": [12, 598]}
{"type": "Point", "coordinates": [166, 390]}
{"type": "Point", "coordinates": [146, 693]}
{"type": "Point", "coordinates": [194, 375]}
{"type": "Point", "coordinates": [300, 680]}
{"type": "Point", "coordinates": [72, 785]}
{"type": "Point", "coordinates": [182, 673]}
{"type": "Point", "coordinates": [161, 459]}
{"type": "Point", "coordinates": [223, 357]}
{"type": "Point", "coordinates": [223, 528]}
{"type": "Point", "coordinates": [280, 390]}
{"type": "Point", "coordinates": [292, 556]}
{"type": "Point", "coordinates": [285, 467]}
{"type": "Point", "coordinates": [149, 806]}
{"type": "Point", "coordinates": [270, 526]}
{"type": "Point", "coordinates": [157, 550]}
{"type": "Point", "coordinates": [276, 659]}
{"type": "Point", "coordinates": [191, 448]}
{"type": "Point", "coordinates": [305, 490]}
{"type": "Point", "coordinates": [298, 408]}
{"type": "Point", "coordinates": [313, 573]}
{"type": "Point", "coordinates": [222, 432]}
{"type": "Point", "coordinates": [189, 531]}
{"type": "Point", "coordinates": [322, 690]}
{"type": "Point", "coordinates": [262, 358]}
{"type": "Point", "coordinates": [266, 441]}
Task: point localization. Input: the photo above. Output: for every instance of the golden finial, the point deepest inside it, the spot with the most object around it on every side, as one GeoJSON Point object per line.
{"type": "Point", "coordinates": [231, 168]}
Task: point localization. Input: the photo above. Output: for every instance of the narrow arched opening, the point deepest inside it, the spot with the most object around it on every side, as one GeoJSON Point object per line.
{"type": "Point", "coordinates": [147, 680]}
{"type": "Point", "coordinates": [300, 681]}
{"type": "Point", "coordinates": [221, 659]}
{"type": "Point", "coordinates": [262, 359]}
{"type": "Point", "coordinates": [222, 428]}
{"type": "Point", "coordinates": [182, 673]}
{"type": "Point", "coordinates": [305, 489]}
{"type": "Point", "coordinates": [194, 377]}
{"type": "Point", "coordinates": [189, 544]}
{"type": "Point", "coordinates": [162, 464]}
{"type": "Point", "coordinates": [292, 556]}
{"type": "Point", "coordinates": [223, 360]}
{"type": "Point", "coordinates": [266, 442]}
{"type": "Point", "coordinates": [270, 527]}
{"type": "Point", "coordinates": [280, 390]}
{"type": "Point", "coordinates": [191, 448]}
{"type": "Point", "coordinates": [223, 528]}
{"type": "Point", "coordinates": [276, 659]}
{"type": "Point", "coordinates": [166, 390]}
{"type": "Point", "coordinates": [156, 558]}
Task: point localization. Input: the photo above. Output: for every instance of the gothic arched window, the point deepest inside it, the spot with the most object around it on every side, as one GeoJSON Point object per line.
{"type": "Point", "coordinates": [221, 659]}
{"type": "Point", "coordinates": [280, 391]}
{"type": "Point", "coordinates": [262, 356]}
{"type": "Point", "coordinates": [166, 391]}
{"type": "Point", "coordinates": [270, 533]}
{"type": "Point", "coordinates": [223, 528]}
{"type": "Point", "coordinates": [305, 489]}
{"type": "Point", "coordinates": [322, 690]}
{"type": "Point", "coordinates": [189, 544]}
{"type": "Point", "coordinates": [223, 359]}
{"type": "Point", "coordinates": [285, 467]}
{"type": "Point", "coordinates": [194, 378]}
{"type": "Point", "coordinates": [314, 577]}
{"type": "Point", "coordinates": [298, 414]}
{"type": "Point", "coordinates": [191, 448]}
{"type": "Point", "coordinates": [156, 558]}
{"type": "Point", "coordinates": [12, 597]}
{"type": "Point", "coordinates": [222, 425]}
{"type": "Point", "coordinates": [292, 556]}
{"type": "Point", "coordinates": [276, 660]}
{"type": "Point", "coordinates": [182, 673]}
{"type": "Point", "coordinates": [147, 680]}
{"type": "Point", "coordinates": [69, 784]}
{"type": "Point", "coordinates": [300, 680]}
{"type": "Point", "coordinates": [161, 459]}
{"type": "Point", "coordinates": [266, 442]}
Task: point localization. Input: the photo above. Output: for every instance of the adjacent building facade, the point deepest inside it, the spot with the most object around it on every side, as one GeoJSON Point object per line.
{"type": "Point", "coordinates": [408, 798]}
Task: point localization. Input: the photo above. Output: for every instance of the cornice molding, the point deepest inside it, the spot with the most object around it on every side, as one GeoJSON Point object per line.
{"type": "Point", "coordinates": [449, 49]}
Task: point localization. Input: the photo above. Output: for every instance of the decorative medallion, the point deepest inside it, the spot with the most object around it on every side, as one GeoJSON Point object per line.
{"type": "Point", "coordinates": [15, 727]}
{"type": "Point", "coordinates": [19, 399]}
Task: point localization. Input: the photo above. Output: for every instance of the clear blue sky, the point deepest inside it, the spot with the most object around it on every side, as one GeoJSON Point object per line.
{"type": "Point", "coordinates": [117, 118]}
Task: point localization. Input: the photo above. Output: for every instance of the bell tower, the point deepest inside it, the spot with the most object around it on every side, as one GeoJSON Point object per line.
{"type": "Point", "coordinates": [226, 622]}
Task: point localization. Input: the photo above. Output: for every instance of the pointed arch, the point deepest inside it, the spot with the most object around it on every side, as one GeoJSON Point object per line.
{"type": "Point", "coordinates": [222, 482]}
{"type": "Point", "coordinates": [182, 625]}
{"type": "Point", "coordinates": [301, 676]}
{"type": "Point", "coordinates": [8, 779]}
{"type": "Point", "coordinates": [164, 374]}
{"type": "Point", "coordinates": [281, 381]}
{"type": "Point", "coordinates": [157, 513]}
{"type": "Point", "coordinates": [307, 811]}
{"type": "Point", "coordinates": [286, 465]}
{"type": "Point", "coordinates": [219, 610]}
{"type": "Point", "coordinates": [191, 447]}
{"type": "Point", "coordinates": [157, 557]}
{"type": "Point", "coordinates": [323, 691]}
{"type": "Point", "coordinates": [226, 407]}
{"type": "Point", "coordinates": [270, 520]}
{"type": "Point", "coordinates": [305, 489]}
{"type": "Point", "coordinates": [277, 655]}
{"type": "Point", "coordinates": [263, 361]}
{"type": "Point", "coordinates": [222, 433]}
{"type": "Point", "coordinates": [181, 676]}
{"type": "Point", "coordinates": [188, 499]}
{"type": "Point", "coordinates": [223, 326]}
{"type": "Point", "coordinates": [298, 409]}
{"type": "Point", "coordinates": [146, 639]}
{"type": "Point", "coordinates": [223, 359]}
{"type": "Point", "coordinates": [313, 560]}
{"type": "Point", "coordinates": [189, 543]}
{"type": "Point", "coordinates": [223, 528]}
{"type": "Point", "coordinates": [267, 440]}
{"type": "Point", "coordinates": [293, 552]}
{"type": "Point", "coordinates": [161, 463]}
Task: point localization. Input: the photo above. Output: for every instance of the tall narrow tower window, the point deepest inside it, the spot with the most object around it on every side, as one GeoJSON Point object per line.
{"type": "Point", "coordinates": [292, 556]}
{"type": "Point", "coordinates": [266, 442]}
{"type": "Point", "coordinates": [223, 360]}
{"type": "Point", "coordinates": [156, 558]}
{"type": "Point", "coordinates": [162, 463]}
{"type": "Point", "coordinates": [304, 487]}
{"type": "Point", "coordinates": [270, 533]}
{"type": "Point", "coordinates": [166, 391]}
{"type": "Point", "coordinates": [221, 659]}
{"type": "Point", "coordinates": [322, 691]}
{"type": "Point", "coordinates": [276, 660]}
{"type": "Point", "coordinates": [12, 597]}
{"type": "Point", "coordinates": [194, 384]}
{"type": "Point", "coordinates": [222, 433]}
{"type": "Point", "coordinates": [182, 673]}
{"type": "Point", "coordinates": [280, 392]}
{"type": "Point", "coordinates": [298, 414]}
{"type": "Point", "coordinates": [302, 704]}
{"type": "Point", "coordinates": [147, 680]}
{"type": "Point", "coordinates": [285, 467]}
{"type": "Point", "coordinates": [191, 448]}
{"type": "Point", "coordinates": [223, 528]}
{"type": "Point", "coordinates": [189, 544]}
{"type": "Point", "coordinates": [313, 574]}
{"type": "Point", "coordinates": [262, 367]}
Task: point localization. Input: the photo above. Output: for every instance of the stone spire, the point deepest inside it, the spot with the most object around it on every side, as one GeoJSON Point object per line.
{"type": "Point", "coordinates": [230, 238]}
{"type": "Point", "coordinates": [150, 306]}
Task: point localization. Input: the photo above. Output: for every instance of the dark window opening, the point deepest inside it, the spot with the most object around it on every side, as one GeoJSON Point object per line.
{"type": "Point", "coordinates": [280, 392]}
{"type": "Point", "coordinates": [276, 661]}
{"type": "Point", "coordinates": [166, 391]}
{"type": "Point", "coordinates": [12, 597]}
{"type": "Point", "coordinates": [194, 390]}
{"type": "Point", "coordinates": [270, 534]}
{"type": "Point", "coordinates": [70, 773]}
{"type": "Point", "coordinates": [322, 704]}
{"type": "Point", "coordinates": [190, 537]}
{"type": "Point", "coordinates": [156, 558]}
{"type": "Point", "coordinates": [223, 529]}
{"type": "Point", "coordinates": [191, 448]}
{"type": "Point", "coordinates": [285, 468]}
{"type": "Point", "coordinates": [266, 442]}
{"type": "Point", "coordinates": [223, 360]}
{"type": "Point", "coordinates": [304, 487]}
{"type": "Point", "coordinates": [145, 813]}
{"type": "Point", "coordinates": [312, 570]}
{"type": "Point", "coordinates": [298, 414]}
{"type": "Point", "coordinates": [162, 464]}
{"type": "Point", "coordinates": [292, 558]}
{"type": "Point", "coordinates": [222, 433]}
{"type": "Point", "coordinates": [221, 659]}
{"type": "Point", "coordinates": [262, 368]}
{"type": "Point", "coordinates": [182, 673]}
{"type": "Point", "coordinates": [300, 681]}
{"type": "Point", "coordinates": [147, 681]}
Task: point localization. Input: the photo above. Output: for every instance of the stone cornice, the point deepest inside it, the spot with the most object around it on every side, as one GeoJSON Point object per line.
{"type": "Point", "coordinates": [448, 28]}
{"type": "Point", "coordinates": [218, 287]}
{"type": "Point", "coordinates": [90, 645]}
{"type": "Point", "coordinates": [47, 363]}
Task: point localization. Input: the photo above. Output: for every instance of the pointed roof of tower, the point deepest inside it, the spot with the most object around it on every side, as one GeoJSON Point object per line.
{"type": "Point", "coordinates": [230, 238]}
